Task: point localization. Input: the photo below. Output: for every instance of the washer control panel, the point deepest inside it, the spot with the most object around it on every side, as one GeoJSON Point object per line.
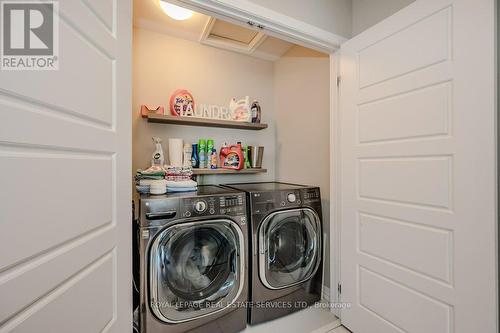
{"type": "Point", "coordinates": [291, 197]}
{"type": "Point", "coordinates": [233, 205]}
{"type": "Point", "coordinates": [200, 206]}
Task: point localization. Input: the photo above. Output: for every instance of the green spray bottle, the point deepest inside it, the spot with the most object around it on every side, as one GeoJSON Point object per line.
{"type": "Point", "coordinates": [247, 164]}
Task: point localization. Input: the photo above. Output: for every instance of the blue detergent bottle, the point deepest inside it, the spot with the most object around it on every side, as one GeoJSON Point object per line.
{"type": "Point", "coordinates": [195, 160]}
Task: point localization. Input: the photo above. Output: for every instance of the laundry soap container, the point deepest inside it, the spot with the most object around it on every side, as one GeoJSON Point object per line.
{"type": "Point", "coordinates": [231, 157]}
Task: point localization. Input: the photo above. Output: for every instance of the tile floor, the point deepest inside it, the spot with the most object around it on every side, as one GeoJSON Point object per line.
{"type": "Point", "coordinates": [311, 320]}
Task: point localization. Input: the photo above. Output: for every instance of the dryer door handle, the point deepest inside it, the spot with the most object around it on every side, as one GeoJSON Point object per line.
{"type": "Point", "coordinates": [161, 215]}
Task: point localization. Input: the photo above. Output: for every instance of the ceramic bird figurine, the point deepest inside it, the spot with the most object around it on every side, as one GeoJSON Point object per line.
{"type": "Point", "coordinates": [240, 110]}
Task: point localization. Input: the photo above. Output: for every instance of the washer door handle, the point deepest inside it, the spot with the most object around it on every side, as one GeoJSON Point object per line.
{"type": "Point", "coordinates": [161, 215]}
{"type": "Point", "coordinates": [262, 244]}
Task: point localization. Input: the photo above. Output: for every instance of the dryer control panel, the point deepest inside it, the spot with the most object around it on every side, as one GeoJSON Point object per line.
{"type": "Point", "coordinates": [263, 202]}
{"type": "Point", "coordinates": [310, 195]}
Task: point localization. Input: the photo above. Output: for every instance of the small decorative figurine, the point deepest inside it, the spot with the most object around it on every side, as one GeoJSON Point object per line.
{"type": "Point", "coordinates": [151, 109]}
{"type": "Point", "coordinates": [256, 112]}
{"type": "Point", "coordinates": [240, 110]}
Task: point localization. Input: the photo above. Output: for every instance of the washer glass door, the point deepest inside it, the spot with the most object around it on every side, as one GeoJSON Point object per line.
{"type": "Point", "coordinates": [196, 269]}
{"type": "Point", "coordinates": [289, 247]}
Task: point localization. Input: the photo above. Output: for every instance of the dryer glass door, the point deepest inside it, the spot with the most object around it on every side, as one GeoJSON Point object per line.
{"type": "Point", "coordinates": [289, 247]}
{"type": "Point", "coordinates": [196, 269]}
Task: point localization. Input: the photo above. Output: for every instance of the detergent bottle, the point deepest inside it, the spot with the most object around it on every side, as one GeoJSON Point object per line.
{"type": "Point", "coordinates": [246, 163]}
{"type": "Point", "coordinates": [231, 157]}
{"type": "Point", "coordinates": [195, 160]}
{"type": "Point", "coordinates": [213, 159]}
{"type": "Point", "coordinates": [202, 153]}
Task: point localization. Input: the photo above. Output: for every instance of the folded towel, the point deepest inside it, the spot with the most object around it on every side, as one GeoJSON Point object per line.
{"type": "Point", "coordinates": [142, 189]}
{"type": "Point", "coordinates": [179, 170]}
{"type": "Point", "coordinates": [181, 189]}
{"type": "Point", "coordinates": [154, 172]}
{"type": "Point", "coordinates": [149, 182]}
{"type": "Point", "coordinates": [149, 177]}
{"type": "Point", "coordinates": [181, 183]}
{"type": "Point", "coordinates": [178, 178]}
{"type": "Point", "coordinates": [154, 168]}
{"type": "Point", "coordinates": [179, 173]}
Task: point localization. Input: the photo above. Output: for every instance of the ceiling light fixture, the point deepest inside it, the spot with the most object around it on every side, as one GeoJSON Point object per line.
{"type": "Point", "coordinates": [175, 12]}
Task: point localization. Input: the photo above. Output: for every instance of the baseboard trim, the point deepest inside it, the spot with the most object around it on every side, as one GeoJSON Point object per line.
{"type": "Point", "coordinates": [325, 293]}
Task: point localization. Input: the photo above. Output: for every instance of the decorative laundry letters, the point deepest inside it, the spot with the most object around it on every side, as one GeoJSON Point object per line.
{"type": "Point", "coordinates": [182, 104]}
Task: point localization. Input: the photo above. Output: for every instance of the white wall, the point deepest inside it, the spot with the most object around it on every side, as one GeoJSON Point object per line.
{"type": "Point", "coordinates": [331, 15]}
{"type": "Point", "coordinates": [366, 13]}
{"type": "Point", "coordinates": [162, 64]}
{"type": "Point", "coordinates": [302, 99]}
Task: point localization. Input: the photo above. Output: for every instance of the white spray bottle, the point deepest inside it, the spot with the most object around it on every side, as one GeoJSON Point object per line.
{"type": "Point", "coordinates": [158, 158]}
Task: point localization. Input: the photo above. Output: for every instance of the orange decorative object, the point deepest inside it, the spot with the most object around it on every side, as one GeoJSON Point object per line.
{"type": "Point", "coordinates": [150, 109]}
{"type": "Point", "coordinates": [182, 103]}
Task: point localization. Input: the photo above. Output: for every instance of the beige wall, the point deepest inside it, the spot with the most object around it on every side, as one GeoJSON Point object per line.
{"type": "Point", "coordinates": [162, 64]}
{"type": "Point", "coordinates": [366, 13]}
{"type": "Point", "coordinates": [331, 15]}
{"type": "Point", "coordinates": [302, 99]}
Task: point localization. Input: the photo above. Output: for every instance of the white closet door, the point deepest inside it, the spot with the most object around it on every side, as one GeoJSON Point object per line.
{"type": "Point", "coordinates": [418, 163]}
{"type": "Point", "coordinates": [65, 198]}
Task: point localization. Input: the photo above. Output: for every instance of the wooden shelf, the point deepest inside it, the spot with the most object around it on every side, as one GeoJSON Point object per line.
{"type": "Point", "coordinates": [192, 121]}
{"type": "Point", "coordinates": [220, 171]}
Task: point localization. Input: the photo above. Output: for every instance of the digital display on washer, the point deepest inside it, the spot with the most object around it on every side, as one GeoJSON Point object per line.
{"type": "Point", "coordinates": [231, 201]}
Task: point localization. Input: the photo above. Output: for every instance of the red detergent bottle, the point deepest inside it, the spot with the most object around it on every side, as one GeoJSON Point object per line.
{"type": "Point", "coordinates": [231, 157]}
